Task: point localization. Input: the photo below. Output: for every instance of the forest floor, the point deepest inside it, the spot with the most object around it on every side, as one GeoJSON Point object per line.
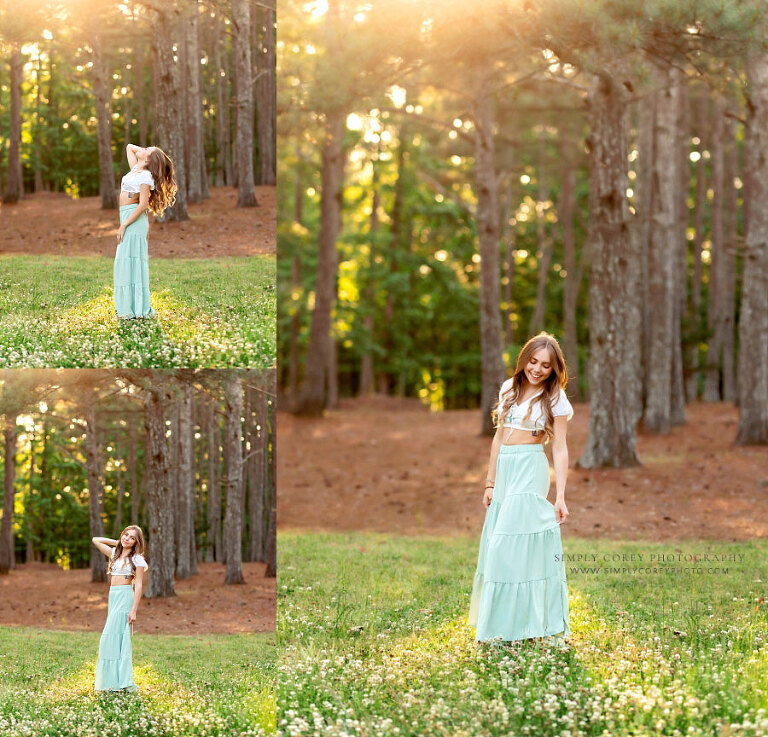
{"type": "Point", "coordinates": [390, 465]}
{"type": "Point", "coordinates": [44, 596]}
{"type": "Point", "coordinates": [51, 223]}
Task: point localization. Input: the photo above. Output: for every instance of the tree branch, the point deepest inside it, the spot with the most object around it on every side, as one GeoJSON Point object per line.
{"type": "Point", "coordinates": [443, 190]}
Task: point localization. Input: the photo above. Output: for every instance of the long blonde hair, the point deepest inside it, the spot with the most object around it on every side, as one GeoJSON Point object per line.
{"type": "Point", "coordinates": [555, 382]}
{"type": "Point", "coordinates": [138, 549]}
{"type": "Point", "coordinates": [161, 168]}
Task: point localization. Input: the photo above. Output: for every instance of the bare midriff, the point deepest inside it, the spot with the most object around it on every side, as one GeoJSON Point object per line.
{"type": "Point", "coordinates": [515, 436]}
{"type": "Point", "coordinates": [120, 580]}
{"type": "Point", "coordinates": [128, 198]}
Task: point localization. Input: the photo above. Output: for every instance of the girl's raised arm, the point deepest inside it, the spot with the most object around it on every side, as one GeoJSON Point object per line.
{"type": "Point", "coordinates": [103, 543]}
{"type": "Point", "coordinates": [130, 152]}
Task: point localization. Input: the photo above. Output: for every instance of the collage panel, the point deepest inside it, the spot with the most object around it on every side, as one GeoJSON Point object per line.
{"type": "Point", "coordinates": [137, 368]}
{"type": "Point", "coordinates": [137, 557]}
{"type": "Point", "coordinates": [137, 184]}
{"type": "Point", "coordinates": [523, 369]}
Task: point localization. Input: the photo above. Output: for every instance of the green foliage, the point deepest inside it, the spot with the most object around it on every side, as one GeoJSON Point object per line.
{"type": "Point", "coordinates": [411, 137]}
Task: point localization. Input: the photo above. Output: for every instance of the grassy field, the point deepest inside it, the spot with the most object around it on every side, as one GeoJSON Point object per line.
{"type": "Point", "coordinates": [204, 686]}
{"type": "Point", "coordinates": [373, 641]}
{"type": "Point", "coordinates": [215, 313]}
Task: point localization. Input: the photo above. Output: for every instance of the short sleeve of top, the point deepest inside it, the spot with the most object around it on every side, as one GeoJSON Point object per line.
{"type": "Point", "coordinates": [506, 385]}
{"type": "Point", "coordinates": [145, 177]}
{"type": "Point", "coordinates": [133, 180]}
{"type": "Point", "coordinates": [562, 406]}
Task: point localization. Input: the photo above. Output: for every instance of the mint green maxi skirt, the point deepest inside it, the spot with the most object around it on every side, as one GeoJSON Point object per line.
{"type": "Point", "coordinates": [114, 669]}
{"type": "Point", "coordinates": [520, 589]}
{"type": "Point", "coordinates": [131, 272]}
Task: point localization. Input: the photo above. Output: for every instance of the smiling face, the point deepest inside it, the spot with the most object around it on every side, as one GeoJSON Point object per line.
{"type": "Point", "coordinates": [539, 367]}
{"type": "Point", "coordinates": [128, 539]}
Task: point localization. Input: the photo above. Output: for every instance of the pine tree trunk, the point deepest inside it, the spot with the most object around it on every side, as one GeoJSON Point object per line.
{"type": "Point", "coordinates": [213, 455]}
{"type": "Point", "coordinates": [120, 492]}
{"type": "Point", "coordinates": [139, 75]}
{"type": "Point", "coordinates": [53, 114]}
{"type": "Point", "coordinates": [186, 484]}
{"type": "Point", "coordinates": [159, 497]}
{"type": "Point", "coordinates": [197, 183]}
{"type": "Point", "coordinates": [14, 183]}
{"type": "Point", "coordinates": [692, 390]}
{"type": "Point", "coordinates": [544, 240]}
{"type": "Point", "coordinates": [241, 61]}
{"type": "Point", "coordinates": [332, 374]}
{"type": "Point", "coordinates": [133, 471]}
{"type": "Point", "coordinates": [571, 283]}
{"type": "Point", "coordinates": [271, 465]}
{"type": "Point", "coordinates": [508, 239]}
{"type": "Point", "coordinates": [312, 399]}
{"type": "Point", "coordinates": [714, 298]}
{"type": "Point", "coordinates": [9, 477]}
{"type": "Point", "coordinates": [491, 348]}
{"type": "Point", "coordinates": [266, 91]}
{"type": "Point", "coordinates": [98, 562]}
{"type": "Point", "coordinates": [2, 158]}
{"type": "Point", "coordinates": [614, 317]}
{"type": "Point", "coordinates": [127, 107]}
{"type": "Point", "coordinates": [197, 462]}
{"type": "Point", "coordinates": [219, 83]}
{"type": "Point", "coordinates": [727, 314]}
{"type": "Point", "coordinates": [168, 107]}
{"type": "Point", "coordinates": [29, 516]}
{"type": "Point", "coordinates": [366, 360]}
{"type": "Point", "coordinates": [233, 532]}
{"type": "Point", "coordinates": [644, 205]}
{"type": "Point", "coordinates": [102, 91]}
{"type": "Point", "coordinates": [271, 569]}
{"type": "Point", "coordinates": [680, 266]}
{"type": "Point", "coordinates": [205, 27]}
{"type": "Point", "coordinates": [38, 155]}
{"type": "Point", "coordinates": [753, 315]}
{"type": "Point", "coordinates": [662, 255]}
{"type": "Point", "coordinates": [398, 244]}
{"type": "Point", "coordinates": [256, 467]}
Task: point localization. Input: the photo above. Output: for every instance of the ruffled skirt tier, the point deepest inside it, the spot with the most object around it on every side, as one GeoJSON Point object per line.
{"type": "Point", "coordinates": [114, 669]}
{"type": "Point", "coordinates": [131, 271]}
{"type": "Point", "coordinates": [519, 588]}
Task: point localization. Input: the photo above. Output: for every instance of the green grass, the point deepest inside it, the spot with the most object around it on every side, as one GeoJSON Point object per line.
{"type": "Point", "coordinates": [373, 640]}
{"type": "Point", "coordinates": [202, 686]}
{"type": "Point", "coordinates": [212, 313]}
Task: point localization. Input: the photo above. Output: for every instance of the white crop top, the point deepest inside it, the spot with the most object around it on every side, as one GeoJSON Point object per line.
{"type": "Point", "coordinates": [535, 421]}
{"type": "Point", "coordinates": [124, 567]}
{"type": "Point", "coordinates": [133, 180]}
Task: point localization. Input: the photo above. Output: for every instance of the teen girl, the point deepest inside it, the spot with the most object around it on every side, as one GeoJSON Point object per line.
{"type": "Point", "coordinates": [520, 591]}
{"type": "Point", "coordinates": [114, 669]}
{"type": "Point", "coordinates": [149, 185]}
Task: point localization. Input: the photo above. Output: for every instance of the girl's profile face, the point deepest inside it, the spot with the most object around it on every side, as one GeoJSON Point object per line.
{"type": "Point", "coordinates": [143, 153]}
{"type": "Point", "coordinates": [539, 367]}
{"type": "Point", "coordinates": [128, 539]}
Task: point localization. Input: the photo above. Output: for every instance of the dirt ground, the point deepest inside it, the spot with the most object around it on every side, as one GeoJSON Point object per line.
{"type": "Point", "coordinates": [390, 465]}
{"type": "Point", "coordinates": [42, 595]}
{"type": "Point", "coordinates": [53, 223]}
